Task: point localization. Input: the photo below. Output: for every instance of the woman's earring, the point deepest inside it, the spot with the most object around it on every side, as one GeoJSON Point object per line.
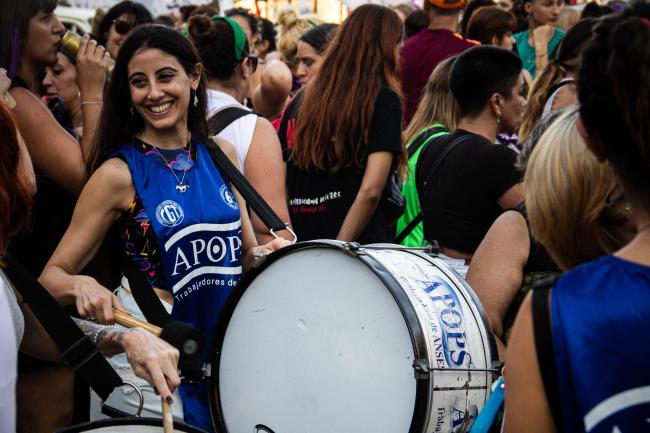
{"type": "Point", "coordinates": [131, 110]}
{"type": "Point", "coordinates": [196, 99]}
{"type": "Point", "coordinates": [498, 120]}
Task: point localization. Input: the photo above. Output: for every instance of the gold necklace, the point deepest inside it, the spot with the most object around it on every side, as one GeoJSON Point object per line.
{"type": "Point", "coordinates": [180, 187]}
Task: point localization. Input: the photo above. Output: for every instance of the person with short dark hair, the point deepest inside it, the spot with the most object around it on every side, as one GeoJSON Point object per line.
{"type": "Point", "coordinates": [476, 180]}
{"type": "Point", "coordinates": [422, 52]}
{"type": "Point", "coordinates": [414, 22]}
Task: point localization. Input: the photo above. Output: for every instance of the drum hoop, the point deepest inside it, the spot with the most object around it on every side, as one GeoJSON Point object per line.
{"type": "Point", "coordinates": [114, 422]}
{"type": "Point", "coordinates": [423, 393]}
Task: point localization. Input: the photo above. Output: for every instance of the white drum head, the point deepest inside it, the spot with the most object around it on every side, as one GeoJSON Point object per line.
{"type": "Point", "coordinates": [317, 344]}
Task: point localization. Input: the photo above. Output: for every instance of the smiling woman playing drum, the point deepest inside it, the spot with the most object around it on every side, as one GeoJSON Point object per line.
{"type": "Point", "coordinates": [152, 179]}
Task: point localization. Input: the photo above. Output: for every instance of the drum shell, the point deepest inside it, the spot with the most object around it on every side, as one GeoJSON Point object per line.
{"type": "Point", "coordinates": [129, 425]}
{"type": "Point", "coordinates": [444, 400]}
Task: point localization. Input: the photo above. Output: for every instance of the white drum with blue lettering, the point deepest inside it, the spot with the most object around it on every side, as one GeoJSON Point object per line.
{"type": "Point", "coordinates": [327, 337]}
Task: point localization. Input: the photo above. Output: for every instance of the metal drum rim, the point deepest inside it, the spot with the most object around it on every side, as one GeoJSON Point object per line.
{"type": "Point", "coordinates": [114, 422]}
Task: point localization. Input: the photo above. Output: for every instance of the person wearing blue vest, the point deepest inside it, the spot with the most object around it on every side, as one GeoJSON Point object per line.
{"type": "Point", "coordinates": [153, 181]}
{"type": "Point", "coordinates": [595, 342]}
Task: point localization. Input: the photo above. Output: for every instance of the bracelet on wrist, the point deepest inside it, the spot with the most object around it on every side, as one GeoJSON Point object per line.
{"type": "Point", "coordinates": [99, 102]}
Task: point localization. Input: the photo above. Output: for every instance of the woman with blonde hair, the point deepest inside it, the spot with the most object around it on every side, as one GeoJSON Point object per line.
{"type": "Point", "coordinates": [292, 27]}
{"type": "Point", "coordinates": [437, 114]}
{"type": "Point", "coordinates": [509, 260]}
{"type": "Point", "coordinates": [562, 170]}
{"type": "Point", "coordinates": [554, 88]}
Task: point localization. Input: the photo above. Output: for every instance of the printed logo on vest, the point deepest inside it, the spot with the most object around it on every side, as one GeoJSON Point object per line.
{"type": "Point", "coordinates": [228, 197]}
{"type": "Point", "coordinates": [169, 213]}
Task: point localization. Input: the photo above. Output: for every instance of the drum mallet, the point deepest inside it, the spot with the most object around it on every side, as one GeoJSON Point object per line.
{"type": "Point", "coordinates": [187, 339]}
{"type": "Point", "coordinates": [168, 420]}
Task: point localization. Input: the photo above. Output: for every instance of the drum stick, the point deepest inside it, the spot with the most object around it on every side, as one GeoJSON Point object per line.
{"type": "Point", "coordinates": [168, 421]}
{"type": "Point", "coordinates": [128, 321]}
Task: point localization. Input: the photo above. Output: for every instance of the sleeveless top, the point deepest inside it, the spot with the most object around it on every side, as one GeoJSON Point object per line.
{"type": "Point", "coordinates": [600, 314]}
{"type": "Point", "coordinates": [199, 237]}
{"type": "Point", "coordinates": [553, 91]}
{"type": "Point", "coordinates": [240, 132]}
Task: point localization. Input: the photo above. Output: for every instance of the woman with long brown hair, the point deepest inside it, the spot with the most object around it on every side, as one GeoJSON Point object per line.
{"type": "Point", "coordinates": [348, 134]}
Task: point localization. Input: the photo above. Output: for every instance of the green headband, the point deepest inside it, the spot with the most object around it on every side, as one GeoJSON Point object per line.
{"type": "Point", "coordinates": [238, 33]}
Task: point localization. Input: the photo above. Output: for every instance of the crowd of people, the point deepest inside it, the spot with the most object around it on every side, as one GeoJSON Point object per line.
{"type": "Point", "coordinates": [511, 138]}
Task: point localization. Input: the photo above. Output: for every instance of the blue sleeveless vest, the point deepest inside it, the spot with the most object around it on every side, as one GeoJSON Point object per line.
{"type": "Point", "coordinates": [600, 314]}
{"type": "Point", "coordinates": [199, 235]}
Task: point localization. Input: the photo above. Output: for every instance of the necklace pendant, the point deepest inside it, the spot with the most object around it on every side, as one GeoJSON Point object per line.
{"type": "Point", "coordinates": [182, 188]}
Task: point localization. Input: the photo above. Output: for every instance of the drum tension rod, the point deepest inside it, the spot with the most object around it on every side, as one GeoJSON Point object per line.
{"type": "Point", "coordinates": [422, 369]}
{"type": "Point", "coordinates": [486, 370]}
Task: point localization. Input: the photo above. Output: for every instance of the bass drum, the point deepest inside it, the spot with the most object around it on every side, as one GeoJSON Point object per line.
{"type": "Point", "coordinates": [333, 337]}
{"type": "Point", "coordinates": [129, 425]}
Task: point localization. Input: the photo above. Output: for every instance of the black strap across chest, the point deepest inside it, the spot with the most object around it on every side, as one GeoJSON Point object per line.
{"type": "Point", "coordinates": [78, 352]}
{"type": "Point", "coordinates": [142, 291]}
{"type": "Point", "coordinates": [224, 117]}
{"type": "Point", "coordinates": [429, 174]}
{"type": "Point", "coordinates": [544, 344]}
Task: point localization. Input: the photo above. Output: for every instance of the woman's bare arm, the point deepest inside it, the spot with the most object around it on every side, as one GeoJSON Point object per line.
{"type": "Point", "coordinates": [107, 195]}
{"type": "Point", "coordinates": [367, 199]}
{"type": "Point", "coordinates": [266, 171]}
{"type": "Point", "coordinates": [250, 246]}
{"type": "Point", "coordinates": [496, 270]}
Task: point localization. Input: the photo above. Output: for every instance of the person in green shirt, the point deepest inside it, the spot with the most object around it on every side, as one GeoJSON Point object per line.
{"type": "Point", "coordinates": [536, 46]}
{"type": "Point", "coordinates": [437, 114]}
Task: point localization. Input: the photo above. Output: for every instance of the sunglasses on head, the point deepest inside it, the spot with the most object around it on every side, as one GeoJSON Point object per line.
{"type": "Point", "coordinates": [123, 27]}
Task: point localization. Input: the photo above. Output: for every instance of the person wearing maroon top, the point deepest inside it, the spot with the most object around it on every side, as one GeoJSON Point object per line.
{"type": "Point", "coordinates": [422, 52]}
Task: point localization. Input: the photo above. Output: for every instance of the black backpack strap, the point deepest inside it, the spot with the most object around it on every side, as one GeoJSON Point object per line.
{"type": "Point", "coordinates": [423, 137]}
{"type": "Point", "coordinates": [441, 157]}
{"type": "Point", "coordinates": [224, 117]}
{"type": "Point", "coordinates": [78, 352]}
{"type": "Point", "coordinates": [144, 294]}
{"type": "Point", "coordinates": [439, 160]}
{"type": "Point", "coordinates": [252, 197]}
{"type": "Point", "coordinates": [409, 228]}
{"type": "Point", "coordinates": [544, 343]}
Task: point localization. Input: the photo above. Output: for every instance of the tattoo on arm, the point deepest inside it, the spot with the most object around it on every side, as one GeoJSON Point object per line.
{"type": "Point", "coordinates": [108, 338]}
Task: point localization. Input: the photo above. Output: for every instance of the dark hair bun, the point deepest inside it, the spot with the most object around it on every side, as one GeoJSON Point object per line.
{"type": "Point", "coordinates": [201, 29]}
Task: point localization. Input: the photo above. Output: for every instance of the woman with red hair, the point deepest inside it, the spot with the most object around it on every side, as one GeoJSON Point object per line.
{"type": "Point", "coordinates": [348, 136]}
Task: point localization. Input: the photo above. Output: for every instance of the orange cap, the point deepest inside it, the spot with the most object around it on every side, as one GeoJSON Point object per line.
{"type": "Point", "coordinates": [448, 4]}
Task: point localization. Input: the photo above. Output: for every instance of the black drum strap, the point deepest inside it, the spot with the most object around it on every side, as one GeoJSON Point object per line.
{"type": "Point", "coordinates": [224, 117]}
{"type": "Point", "coordinates": [252, 197]}
{"type": "Point", "coordinates": [544, 344]}
{"type": "Point", "coordinates": [78, 352]}
{"type": "Point", "coordinates": [144, 295]}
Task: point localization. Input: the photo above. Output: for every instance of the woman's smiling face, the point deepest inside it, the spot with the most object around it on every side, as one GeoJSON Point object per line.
{"type": "Point", "coordinates": [160, 89]}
